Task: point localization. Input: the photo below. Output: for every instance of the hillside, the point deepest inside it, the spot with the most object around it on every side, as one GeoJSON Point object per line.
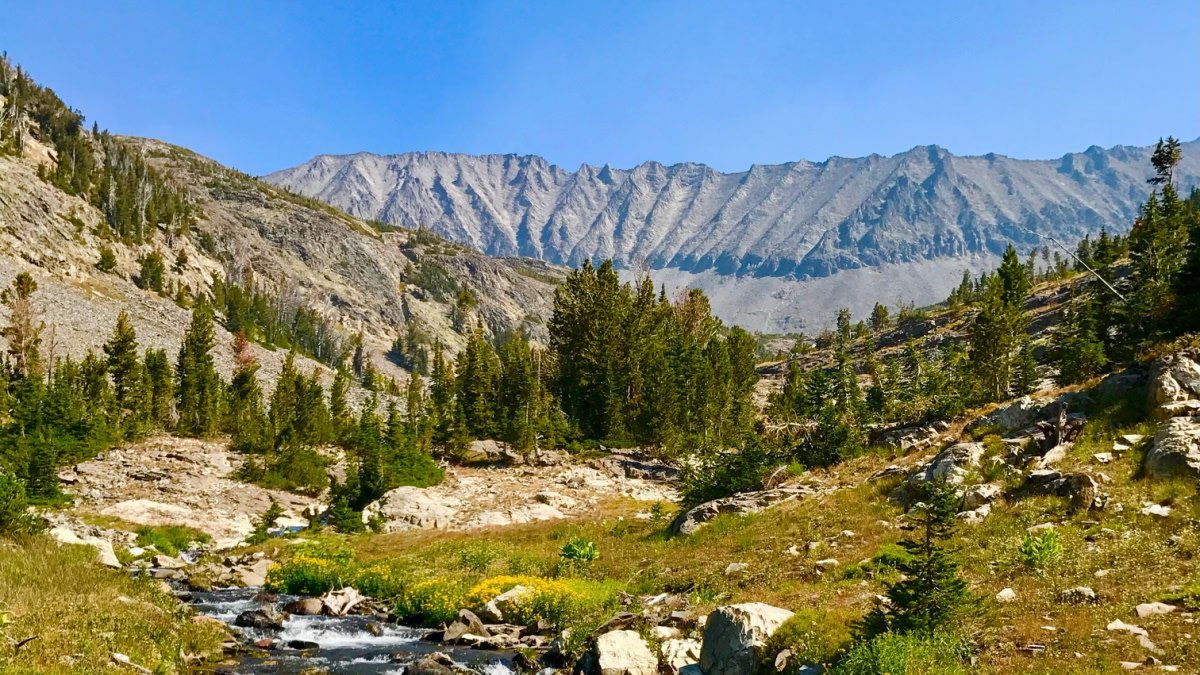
{"type": "Point", "coordinates": [302, 253]}
{"type": "Point", "coordinates": [755, 240]}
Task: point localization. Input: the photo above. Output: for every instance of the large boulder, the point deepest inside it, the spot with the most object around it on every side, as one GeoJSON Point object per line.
{"type": "Point", "coordinates": [620, 652]}
{"type": "Point", "coordinates": [1016, 415]}
{"type": "Point", "coordinates": [408, 507]}
{"type": "Point", "coordinates": [265, 618]}
{"type": "Point", "coordinates": [507, 602]}
{"type": "Point", "coordinates": [735, 635]}
{"type": "Point", "coordinates": [696, 517]}
{"type": "Point", "coordinates": [1176, 449]}
{"type": "Point", "coordinates": [1175, 386]}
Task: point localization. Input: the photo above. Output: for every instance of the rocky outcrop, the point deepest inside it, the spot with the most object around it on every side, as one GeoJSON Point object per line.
{"type": "Point", "coordinates": [676, 654]}
{"type": "Point", "coordinates": [696, 517]}
{"type": "Point", "coordinates": [409, 507]}
{"type": "Point", "coordinates": [1019, 414]}
{"type": "Point", "coordinates": [1175, 386]}
{"type": "Point", "coordinates": [1176, 449]}
{"type": "Point", "coordinates": [165, 480]}
{"type": "Point", "coordinates": [735, 636]}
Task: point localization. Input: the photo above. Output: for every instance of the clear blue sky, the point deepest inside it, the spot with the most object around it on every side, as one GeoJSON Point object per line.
{"type": "Point", "coordinates": [266, 85]}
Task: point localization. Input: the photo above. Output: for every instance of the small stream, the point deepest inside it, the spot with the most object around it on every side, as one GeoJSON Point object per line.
{"type": "Point", "coordinates": [346, 646]}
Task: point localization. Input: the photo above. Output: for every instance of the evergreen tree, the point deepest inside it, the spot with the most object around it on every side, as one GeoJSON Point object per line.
{"type": "Point", "coordinates": [931, 594]}
{"type": "Point", "coordinates": [476, 384]}
{"type": "Point", "coordinates": [159, 387]}
{"type": "Point", "coordinates": [247, 422]}
{"type": "Point", "coordinates": [1078, 348]}
{"type": "Point", "coordinates": [121, 352]}
{"type": "Point", "coordinates": [880, 320]}
{"type": "Point", "coordinates": [24, 330]}
{"type": "Point", "coordinates": [198, 386]}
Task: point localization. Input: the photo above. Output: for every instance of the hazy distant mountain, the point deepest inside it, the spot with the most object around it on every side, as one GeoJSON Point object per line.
{"type": "Point", "coordinates": [801, 220]}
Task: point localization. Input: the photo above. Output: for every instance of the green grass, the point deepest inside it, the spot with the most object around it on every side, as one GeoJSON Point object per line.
{"type": "Point", "coordinates": [169, 539]}
{"type": "Point", "coordinates": [82, 613]}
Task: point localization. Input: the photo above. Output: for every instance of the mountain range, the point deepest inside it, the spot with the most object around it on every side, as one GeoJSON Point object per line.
{"type": "Point", "coordinates": [910, 223]}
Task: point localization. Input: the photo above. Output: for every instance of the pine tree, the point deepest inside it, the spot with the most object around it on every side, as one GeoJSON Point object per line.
{"type": "Point", "coordinates": [1078, 348]}
{"type": "Point", "coordinates": [247, 422]}
{"type": "Point", "coordinates": [931, 594]}
{"type": "Point", "coordinates": [880, 319]}
{"type": "Point", "coordinates": [24, 330]}
{"type": "Point", "coordinates": [121, 352]}
{"type": "Point", "coordinates": [198, 386]}
{"type": "Point", "coordinates": [159, 387]}
{"type": "Point", "coordinates": [477, 376]}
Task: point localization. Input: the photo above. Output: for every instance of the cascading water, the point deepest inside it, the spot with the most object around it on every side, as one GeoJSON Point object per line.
{"type": "Point", "coordinates": [345, 645]}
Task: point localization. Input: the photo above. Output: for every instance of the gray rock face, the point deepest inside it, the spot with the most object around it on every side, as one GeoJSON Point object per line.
{"type": "Point", "coordinates": [950, 464]}
{"type": "Point", "coordinates": [696, 517]}
{"type": "Point", "coordinates": [735, 636]}
{"type": "Point", "coordinates": [802, 218]}
{"type": "Point", "coordinates": [1176, 449]}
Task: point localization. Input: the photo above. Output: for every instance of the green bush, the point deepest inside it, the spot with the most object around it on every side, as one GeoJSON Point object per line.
{"type": "Point", "coordinates": [716, 474]}
{"type": "Point", "coordinates": [579, 550]}
{"type": "Point", "coordinates": [1039, 551]}
{"type": "Point", "coordinates": [15, 518]}
{"type": "Point", "coordinates": [150, 275]}
{"type": "Point", "coordinates": [108, 260]}
{"type": "Point", "coordinates": [262, 528]}
{"type": "Point", "coordinates": [432, 602]}
{"type": "Point", "coordinates": [910, 654]}
{"type": "Point", "coordinates": [170, 539]}
{"type": "Point", "coordinates": [812, 635]}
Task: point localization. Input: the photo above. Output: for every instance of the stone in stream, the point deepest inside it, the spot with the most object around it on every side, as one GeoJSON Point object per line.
{"type": "Point", "coordinates": [466, 623]}
{"type": "Point", "coordinates": [305, 607]}
{"type": "Point", "coordinates": [302, 645]}
{"type": "Point", "coordinates": [268, 617]}
{"type": "Point", "coordinates": [434, 664]}
{"type": "Point", "coordinates": [340, 603]}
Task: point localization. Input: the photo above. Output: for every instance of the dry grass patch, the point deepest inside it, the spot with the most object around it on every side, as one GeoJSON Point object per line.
{"type": "Point", "coordinates": [82, 613]}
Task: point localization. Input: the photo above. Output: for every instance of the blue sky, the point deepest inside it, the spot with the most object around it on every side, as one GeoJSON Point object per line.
{"type": "Point", "coordinates": [262, 86]}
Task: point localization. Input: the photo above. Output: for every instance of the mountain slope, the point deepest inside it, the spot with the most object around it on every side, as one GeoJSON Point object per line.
{"type": "Point", "coordinates": [802, 219]}
{"type": "Point", "coordinates": [301, 252]}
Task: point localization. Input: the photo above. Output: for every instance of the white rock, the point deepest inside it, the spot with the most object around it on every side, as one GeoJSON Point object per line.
{"type": "Point", "coordinates": [1006, 595]}
{"type": "Point", "coordinates": [1176, 449]}
{"type": "Point", "coordinates": [1039, 528]}
{"type": "Point", "coordinates": [558, 501]}
{"type": "Point", "coordinates": [678, 654]}
{"type": "Point", "coordinates": [409, 507]}
{"type": "Point", "coordinates": [621, 652]}
{"type": "Point", "coordinates": [823, 566]}
{"type": "Point", "coordinates": [1103, 457]}
{"type": "Point", "coordinates": [978, 495]}
{"type": "Point", "coordinates": [1119, 625]}
{"type": "Point", "coordinates": [735, 636]}
{"type": "Point", "coordinates": [734, 569]}
{"type": "Point", "coordinates": [339, 603]}
{"type": "Point", "coordinates": [1154, 608]}
{"type": "Point", "coordinates": [1156, 510]}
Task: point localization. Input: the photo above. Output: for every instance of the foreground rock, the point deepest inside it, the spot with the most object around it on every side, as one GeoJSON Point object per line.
{"type": "Point", "coordinates": [696, 517]}
{"type": "Point", "coordinates": [619, 652]}
{"type": "Point", "coordinates": [735, 635]}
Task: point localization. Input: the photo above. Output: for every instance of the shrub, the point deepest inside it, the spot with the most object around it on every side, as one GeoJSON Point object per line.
{"type": "Point", "coordinates": [108, 260]}
{"type": "Point", "coordinates": [812, 635]}
{"type": "Point", "coordinates": [1039, 551]}
{"type": "Point", "coordinates": [432, 602]}
{"type": "Point", "coordinates": [559, 602]}
{"type": "Point", "coordinates": [262, 528]}
{"type": "Point", "coordinates": [170, 539]}
{"type": "Point", "coordinates": [579, 550]}
{"type": "Point", "coordinates": [713, 475]}
{"type": "Point", "coordinates": [912, 654]}
{"type": "Point", "coordinates": [15, 518]}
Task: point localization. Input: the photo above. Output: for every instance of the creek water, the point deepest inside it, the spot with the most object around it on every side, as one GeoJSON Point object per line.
{"type": "Point", "coordinates": [345, 644]}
